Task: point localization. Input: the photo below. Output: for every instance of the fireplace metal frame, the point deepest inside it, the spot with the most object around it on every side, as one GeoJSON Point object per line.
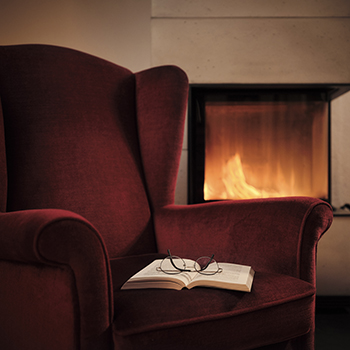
{"type": "Point", "coordinates": [200, 93]}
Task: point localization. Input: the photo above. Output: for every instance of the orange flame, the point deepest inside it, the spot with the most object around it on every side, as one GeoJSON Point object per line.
{"type": "Point", "coordinates": [236, 186]}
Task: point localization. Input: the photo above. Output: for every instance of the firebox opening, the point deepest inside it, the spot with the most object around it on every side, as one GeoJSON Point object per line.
{"type": "Point", "coordinates": [266, 149]}
{"type": "Point", "coordinates": [255, 142]}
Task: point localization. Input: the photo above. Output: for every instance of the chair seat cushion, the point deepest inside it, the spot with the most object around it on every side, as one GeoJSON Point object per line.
{"type": "Point", "coordinates": [278, 308]}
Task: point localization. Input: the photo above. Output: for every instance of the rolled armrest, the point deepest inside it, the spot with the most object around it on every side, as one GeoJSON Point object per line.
{"type": "Point", "coordinates": [275, 235]}
{"type": "Point", "coordinates": [59, 237]}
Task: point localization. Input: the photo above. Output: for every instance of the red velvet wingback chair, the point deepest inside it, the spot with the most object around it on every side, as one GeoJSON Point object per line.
{"type": "Point", "coordinates": [89, 154]}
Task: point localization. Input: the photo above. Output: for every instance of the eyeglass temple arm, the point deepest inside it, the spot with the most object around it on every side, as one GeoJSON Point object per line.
{"type": "Point", "coordinates": [208, 263]}
{"type": "Point", "coordinates": [172, 263]}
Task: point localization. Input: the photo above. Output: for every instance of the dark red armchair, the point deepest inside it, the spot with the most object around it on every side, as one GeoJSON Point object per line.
{"type": "Point", "coordinates": [89, 154]}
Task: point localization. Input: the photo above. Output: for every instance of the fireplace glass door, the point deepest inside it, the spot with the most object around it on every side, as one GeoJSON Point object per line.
{"type": "Point", "coordinates": [260, 144]}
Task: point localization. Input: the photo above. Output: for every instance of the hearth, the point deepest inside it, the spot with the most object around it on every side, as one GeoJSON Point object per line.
{"type": "Point", "coordinates": [260, 141]}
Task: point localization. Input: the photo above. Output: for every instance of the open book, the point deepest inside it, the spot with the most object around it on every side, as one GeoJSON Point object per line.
{"type": "Point", "coordinates": [232, 276]}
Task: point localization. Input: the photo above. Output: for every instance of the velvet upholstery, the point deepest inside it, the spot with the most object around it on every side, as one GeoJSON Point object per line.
{"type": "Point", "coordinates": [89, 155]}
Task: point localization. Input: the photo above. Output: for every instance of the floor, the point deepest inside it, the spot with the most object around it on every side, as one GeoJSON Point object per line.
{"type": "Point", "coordinates": [332, 323]}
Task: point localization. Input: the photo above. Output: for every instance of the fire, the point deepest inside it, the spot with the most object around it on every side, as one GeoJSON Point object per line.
{"type": "Point", "coordinates": [236, 186]}
{"type": "Point", "coordinates": [266, 149]}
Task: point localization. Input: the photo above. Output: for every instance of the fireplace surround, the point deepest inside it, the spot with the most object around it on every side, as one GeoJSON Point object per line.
{"type": "Point", "coordinates": [260, 140]}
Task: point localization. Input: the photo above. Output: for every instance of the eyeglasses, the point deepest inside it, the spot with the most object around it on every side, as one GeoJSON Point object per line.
{"type": "Point", "coordinates": [204, 265]}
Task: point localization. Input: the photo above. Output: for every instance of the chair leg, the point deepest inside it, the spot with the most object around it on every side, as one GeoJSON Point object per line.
{"type": "Point", "coordinates": [280, 346]}
{"type": "Point", "coordinates": [305, 342]}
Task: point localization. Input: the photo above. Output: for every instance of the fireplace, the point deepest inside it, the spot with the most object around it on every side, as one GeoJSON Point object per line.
{"type": "Point", "coordinates": [260, 141]}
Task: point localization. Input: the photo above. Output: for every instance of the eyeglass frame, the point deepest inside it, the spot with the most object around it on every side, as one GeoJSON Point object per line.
{"type": "Point", "coordinates": [170, 256]}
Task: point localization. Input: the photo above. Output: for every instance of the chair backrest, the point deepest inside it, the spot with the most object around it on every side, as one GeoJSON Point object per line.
{"type": "Point", "coordinates": [86, 135]}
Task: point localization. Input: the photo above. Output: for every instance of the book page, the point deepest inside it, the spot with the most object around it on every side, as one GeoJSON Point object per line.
{"type": "Point", "coordinates": [232, 274]}
{"type": "Point", "coordinates": [150, 273]}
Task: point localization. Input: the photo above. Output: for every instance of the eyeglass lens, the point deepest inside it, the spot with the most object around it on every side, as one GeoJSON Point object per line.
{"type": "Point", "coordinates": [173, 265]}
{"type": "Point", "coordinates": [206, 265]}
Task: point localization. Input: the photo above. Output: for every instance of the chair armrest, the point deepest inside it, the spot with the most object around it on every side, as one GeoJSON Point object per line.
{"type": "Point", "coordinates": [56, 238]}
{"type": "Point", "coordinates": [275, 235]}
